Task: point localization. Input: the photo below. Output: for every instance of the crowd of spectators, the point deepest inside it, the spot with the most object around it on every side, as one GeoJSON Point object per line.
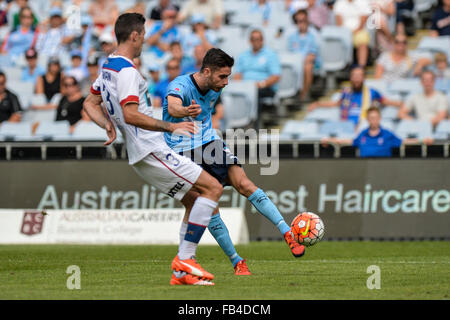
{"type": "Point", "coordinates": [60, 57]}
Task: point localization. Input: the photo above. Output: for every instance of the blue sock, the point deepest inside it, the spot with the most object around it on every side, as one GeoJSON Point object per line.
{"type": "Point", "coordinates": [265, 206]}
{"type": "Point", "coordinates": [219, 231]}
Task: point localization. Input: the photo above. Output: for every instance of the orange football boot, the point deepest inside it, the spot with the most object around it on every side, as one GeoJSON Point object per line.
{"type": "Point", "coordinates": [297, 249]}
{"type": "Point", "coordinates": [241, 269]}
{"type": "Point", "coordinates": [192, 267]}
{"type": "Point", "coordinates": [189, 279]}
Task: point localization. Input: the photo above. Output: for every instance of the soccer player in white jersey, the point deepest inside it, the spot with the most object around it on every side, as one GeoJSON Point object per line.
{"type": "Point", "coordinates": [123, 91]}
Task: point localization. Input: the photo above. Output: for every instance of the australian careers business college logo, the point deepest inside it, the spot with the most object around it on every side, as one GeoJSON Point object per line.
{"type": "Point", "coordinates": [32, 222]}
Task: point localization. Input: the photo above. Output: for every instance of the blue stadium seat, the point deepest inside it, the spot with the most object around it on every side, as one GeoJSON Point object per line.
{"type": "Point", "coordinates": [240, 103]}
{"type": "Point", "coordinates": [23, 90]}
{"type": "Point", "coordinates": [386, 124]}
{"type": "Point", "coordinates": [339, 129]}
{"type": "Point", "coordinates": [16, 131]}
{"type": "Point", "coordinates": [389, 113]}
{"type": "Point", "coordinates": [336, 50]}
{"type": "Point", "coordinates": [53, 130]}
{"type": "Point", "coordinates": [300, 130]}
{"type": "Point", "coordinates": [88, 131]}
{"type": "Point", "coordinates": [405, 87]}
{"type": "Point", "coordinates": [435, 44]}
{"type": "Point", "coordinates": [414, 129]}
{"type": "Point", "coordinates": [291, 80]}
{"type": "Point", "coordinates": [324, 114]}
{"type": "Point", "coordinates": [442, 131]}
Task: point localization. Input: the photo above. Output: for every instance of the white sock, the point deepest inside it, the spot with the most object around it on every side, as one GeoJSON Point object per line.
{"type": "Point", "coordinates": [183, 230]}
{"type": "Point", "coordinates": [199, 218]}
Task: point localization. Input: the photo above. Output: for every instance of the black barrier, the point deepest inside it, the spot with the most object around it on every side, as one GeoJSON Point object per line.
{"type": "Point", "coordinates": [357, 199]}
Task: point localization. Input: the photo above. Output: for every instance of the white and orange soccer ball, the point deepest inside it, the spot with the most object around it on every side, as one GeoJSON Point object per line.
{"type": "Point", "coordinates": [307, 228]}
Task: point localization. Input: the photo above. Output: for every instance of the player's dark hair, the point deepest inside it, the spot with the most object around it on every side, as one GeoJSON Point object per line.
{"type": "Point", "coordinates": [126, 24]}
{"type": "Point", "coordinates": [215, 59]}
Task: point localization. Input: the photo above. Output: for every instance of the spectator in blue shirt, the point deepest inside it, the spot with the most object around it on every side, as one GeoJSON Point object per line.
{"type": "Point", "coordinates": [440, 23]}
{"type": "Point", "coordinates": [163, 33]}
{"type": "Point", "coordinates": [260, 64]}
{"type": "Point", "coordinates": [32, 71]}
{"type": "Point", "coordinates": [304, 40]}
{"type": "Point", "coordinates": [177, 52]}
{"type": "Point", "coordinates": [173, 71]}
{"type": "Point", "coordinates": [375, 141]}
{"type": "Point", "coordinates": [201, 35]}
{"type": "Point", "coordinates": [355, 101]}
{"type": "Point", "coordinates": [196, 63]}
{"type": "Point", "coordinates": [263, 8]}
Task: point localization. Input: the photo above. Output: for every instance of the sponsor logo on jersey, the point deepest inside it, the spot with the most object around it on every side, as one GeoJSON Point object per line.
{"type": "Point", "coordinates": [172, 192]}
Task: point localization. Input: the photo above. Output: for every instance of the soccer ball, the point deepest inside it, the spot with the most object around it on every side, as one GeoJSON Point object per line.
{"type": "Point", "coordinates": [307, 228]}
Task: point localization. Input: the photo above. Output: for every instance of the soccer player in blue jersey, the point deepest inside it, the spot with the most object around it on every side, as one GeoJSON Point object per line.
{"type": "Point", "coordinates": [192, 97]}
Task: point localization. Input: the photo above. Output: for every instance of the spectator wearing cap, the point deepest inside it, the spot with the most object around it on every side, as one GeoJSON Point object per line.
{"type": "Point", "coordinates": [304, 40]}
{"type": "Point", "coordinates": [212, 10]}
{"type": "Point", "coordinates": [52, 41]}
{"type": "Point", "coordinates": [104, 13]}
{"type": "Point", "coordinates": [196, 64]}
{"type": "Point", "coordinates": [355, 100]}
{"type": "Point", "coordinates": [108, 46]}
{"type": "Point", "coordinates": [200, 34]}
{"type": "Point", "coordinates": [93, 71]}
{"type": "Point", "coordinates": [353, 15]}
{"type": "Point", "coordinates": [156, 12]}
{"type": "Point", "coordinates": [163, 33]}
{"type": "Point", "coordinates": [22, 38]}
{"type": "Point", "coordinates": [49, 84]}
{"type": "Point", "coordinates": [173, 70]}
{"type": "Point", "coordinates": [430, 105]}
{"type": "Point", "coordinates": [32, 71]}
{"type": "Point", "coordinates": [440, 23]}
{"type": "Point", "coordinates": [78, 70]}
{"type": "Point", "coordinates": [10, 109]}
{"type": "Point", "coordinates": [260, 64]}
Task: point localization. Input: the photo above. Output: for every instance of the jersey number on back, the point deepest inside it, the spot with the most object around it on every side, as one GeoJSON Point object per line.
{"type": "Point", "coordinates": [110, 108]}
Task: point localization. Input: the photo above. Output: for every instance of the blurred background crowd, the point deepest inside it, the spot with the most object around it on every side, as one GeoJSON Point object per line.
{"type": "Point", "coordinates": [372, 73]}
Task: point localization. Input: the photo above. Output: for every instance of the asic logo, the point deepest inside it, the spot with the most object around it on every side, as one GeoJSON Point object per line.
{"type": "Point", "coordinates": [175, 189]}
{"type": "Point", "coordinates": [32, 222]}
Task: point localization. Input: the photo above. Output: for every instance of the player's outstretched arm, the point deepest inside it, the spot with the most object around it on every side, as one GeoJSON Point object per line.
{"type": "Point", "coordinates": [176, 109]}
{"type": "Point", "coordinates": [92, 106]}
{"type": "Point", "coordinates": [134, 117]}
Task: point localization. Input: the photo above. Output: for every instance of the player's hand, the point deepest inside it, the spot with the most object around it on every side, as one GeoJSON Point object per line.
{"type": "Point", "coordinates": [111, 132]}
{"type": "Point", "coordinates": [194, 109]}
{"type": "Point", "coordinates": [186, 128]}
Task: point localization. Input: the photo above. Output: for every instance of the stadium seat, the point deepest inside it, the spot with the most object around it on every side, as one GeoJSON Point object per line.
{"type": "Point", "coordinates": [39, 115]}
{"type": "Point", "coordinates": [378, 84]}
{"type": "Point", "coordinates": [291, 74]}
{"type": "Point", "coordinates": [442, 131]}
{"type": "Point", "coordinates": [424, 5]}
{"type": "Point", "coordinates": [53, 130]}
{"type": "Point", "coordinates": [389, 113]}
{"type": "Point", "coordinates": [231, 40]}
{"type": "Point", "coordinates": [300, 130]}
{"type": "Point", "coordinates": [23, 90]}
{"type": "Point", "coordinates": [414, 129]}
{"type": "Point", "coordinates": [324, 114]}
{"type": "Point", "coordinates": [12, 73]}
{"type": "Point", "coordinates": [240, 101]}
{"type": "Point", "coordinates": [405, 87]}
{"type": "Point", "coordinates": [336, 50]}
{"type": "Point", "coordinates": [435, 44]}
{"type": "Point", "coordinates": [338, 129]}
{"type": "Point", "coordinates": [88, 131]}
{"type": "Point", "coordinates": [17, 131]}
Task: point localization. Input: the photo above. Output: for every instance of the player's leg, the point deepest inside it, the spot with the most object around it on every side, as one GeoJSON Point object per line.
{"type": "Point", "coordinates": [219, 231]}
{"type": "Point", "coordinates": [262, 203]}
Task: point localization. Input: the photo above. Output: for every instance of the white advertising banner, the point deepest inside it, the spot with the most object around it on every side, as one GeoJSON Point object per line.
{"type": "Point", "coordinates": [147, 226]}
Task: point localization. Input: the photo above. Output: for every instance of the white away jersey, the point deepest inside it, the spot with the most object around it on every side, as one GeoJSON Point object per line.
{"type": "Point", "coordinates": [119, 83]}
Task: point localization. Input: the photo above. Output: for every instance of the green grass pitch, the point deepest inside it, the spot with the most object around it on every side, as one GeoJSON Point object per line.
{"type": "Point", "coordinates": [329, 270]}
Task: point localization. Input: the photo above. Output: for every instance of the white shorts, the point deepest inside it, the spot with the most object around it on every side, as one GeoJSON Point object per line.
{"type": "Point", "coordinates": [168, 171]}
